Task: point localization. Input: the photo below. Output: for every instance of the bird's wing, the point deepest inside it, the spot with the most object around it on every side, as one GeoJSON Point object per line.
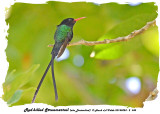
{"type": "Point", "coordinates": [63, 47]}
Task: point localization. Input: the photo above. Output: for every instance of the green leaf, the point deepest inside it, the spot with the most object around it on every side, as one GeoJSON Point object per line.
{"type": "Point", "coordinates": [112, 53]}
{"type": "Point", "coordinates": [15, 98]}
{"type": "Point", "coordinates": [150, 40]}
{"type": "Point", "coordinates": [16, 81]}
{"type": "Point", "coordinates": [122, 29]}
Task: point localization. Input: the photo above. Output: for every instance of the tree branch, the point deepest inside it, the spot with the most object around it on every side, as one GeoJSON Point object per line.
{"type": "Point", "coordinates": [119, 39]}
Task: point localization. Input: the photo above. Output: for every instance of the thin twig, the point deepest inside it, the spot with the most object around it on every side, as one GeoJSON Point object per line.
{"type": "Point", "coordinates": [119, 39]}
{"type": "Point", "coordinates": [152, 95]}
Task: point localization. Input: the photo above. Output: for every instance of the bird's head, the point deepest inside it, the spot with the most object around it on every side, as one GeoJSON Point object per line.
{"type": "Point", "coordinates": [70, 21]}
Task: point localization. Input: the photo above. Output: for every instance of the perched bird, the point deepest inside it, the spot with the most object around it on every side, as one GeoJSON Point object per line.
{"type": "Point", "coordinates": [62, 37]}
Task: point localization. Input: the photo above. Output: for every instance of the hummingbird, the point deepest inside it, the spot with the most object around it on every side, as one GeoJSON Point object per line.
{"type": "Point", "coordinates": [62, 37]}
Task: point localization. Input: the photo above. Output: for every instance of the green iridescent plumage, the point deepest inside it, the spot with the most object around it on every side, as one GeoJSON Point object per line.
{"type": "Point", "coordinates": [62, 33]}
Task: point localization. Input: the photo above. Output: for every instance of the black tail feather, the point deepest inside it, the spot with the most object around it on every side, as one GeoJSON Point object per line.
{"type": "Point", "coordinates": [40, 83]}
{"type": "Point", "coordinates": [54, 53]}
{"type": "Point", "coordinates": [54, 81]}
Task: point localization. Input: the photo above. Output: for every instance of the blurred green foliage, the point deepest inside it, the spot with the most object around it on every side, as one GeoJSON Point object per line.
{"type": "Point", "coordinates": [101, 79]}
{"type": "Point", "coordinates": [16, 96]}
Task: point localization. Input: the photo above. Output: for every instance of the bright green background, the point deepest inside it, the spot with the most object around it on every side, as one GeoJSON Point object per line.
{"type": "Point", "coordinates": [100, 79]}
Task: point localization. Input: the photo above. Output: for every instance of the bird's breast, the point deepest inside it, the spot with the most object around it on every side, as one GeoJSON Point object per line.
{"type": "Point", "coordinates": [62, 33]}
